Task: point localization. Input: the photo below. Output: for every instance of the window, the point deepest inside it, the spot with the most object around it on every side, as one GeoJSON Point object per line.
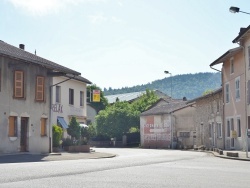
{"type": "Point", "coordinates": [18, 84]}
{"type": "Point", "coordinates": [43, 127]}
{"type": "Point", "coordinates": [40, 88]}
{"type": "Point", "coordinates": [184, 134]}
{"type": "Point", "coordinates": [249, 56]}
{"type": "Point", "coordinates": [210, 130]}
{"type": "Point", "coordinates": [81, 98]}
{"type": "Point", "coordinates": [58, 94]}
{"type": "Point", "coordinates": [237, 88]}
{"type": "Point", "coordinates": [12, 126]}
{"type": "Point", "coordinates": [0, 78]}
{"type": "Point", "coordinates": [228, 128]}
{"type": "Point", "coordinates": [219, 130]}
{"type": "Point", "coordinates": [71, 96]}
{"type": "Point", "coordinates": [227, 93]}
{"type": "Point", "coordinates": [238, 127]}
{"type": "Point", "coordinates": [231, 66]}
{"type": "Point", "coordinates": [218, 105]}
{"type": "Point", "coordinates": [248, 92]}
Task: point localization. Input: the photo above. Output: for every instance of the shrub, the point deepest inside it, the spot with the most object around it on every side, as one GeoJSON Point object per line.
{"type": "Point", "coordinates": [57, 135]}
{"type": "Point", "coordinates": [67, 142]}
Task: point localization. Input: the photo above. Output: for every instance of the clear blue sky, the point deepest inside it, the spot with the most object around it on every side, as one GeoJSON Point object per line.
{"type": "Point", "coordinates": [119, 43]}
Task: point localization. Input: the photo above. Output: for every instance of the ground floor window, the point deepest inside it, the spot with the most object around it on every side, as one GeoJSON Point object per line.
{"type": "Point", "coordinates": [219, 130]}
{"type": "Point", "coordinates": [238, 127]}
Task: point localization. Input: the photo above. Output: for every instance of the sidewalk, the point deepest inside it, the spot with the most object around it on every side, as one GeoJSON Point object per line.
{"type": "Point", "coordinates": [27, 157]}
{"type": "Point", "coordinates": [231, 154]}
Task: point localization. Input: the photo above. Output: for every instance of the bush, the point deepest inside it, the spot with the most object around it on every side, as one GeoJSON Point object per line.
{"type": "Point", "coordinates": [57, 135]}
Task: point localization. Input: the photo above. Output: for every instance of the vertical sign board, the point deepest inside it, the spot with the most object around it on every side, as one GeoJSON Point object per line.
{"type": "Point", "coordinates": [96, 96]}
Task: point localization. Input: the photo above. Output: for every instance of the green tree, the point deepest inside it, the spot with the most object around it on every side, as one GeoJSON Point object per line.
{"type": "Point", "coordinates": [74, 128]}
{"type": "Point", "coordinates": [97, 105]}
{"type": "Point", "coordinates": [57, 135]}
{"type": "Point", "coordinates": [116, 120]}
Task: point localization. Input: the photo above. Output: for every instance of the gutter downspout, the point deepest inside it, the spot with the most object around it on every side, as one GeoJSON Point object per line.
{"type": "Point", "coordinates": [50, 103]}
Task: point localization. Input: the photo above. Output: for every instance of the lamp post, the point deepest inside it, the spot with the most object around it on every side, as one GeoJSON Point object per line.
{"type": "Point", "coordinates": [236, 10]}
{"type": "Point", "coordinates": [171, 123]}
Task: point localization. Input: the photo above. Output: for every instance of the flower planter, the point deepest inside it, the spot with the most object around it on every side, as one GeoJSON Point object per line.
{"type": "Point", "coordinates": [81, 148]}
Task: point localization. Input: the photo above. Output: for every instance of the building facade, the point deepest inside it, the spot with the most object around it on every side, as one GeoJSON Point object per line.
{"type": "Point", "coordinates": [69, 99]}
{"type": "Point", "coordinates": [25, 82]}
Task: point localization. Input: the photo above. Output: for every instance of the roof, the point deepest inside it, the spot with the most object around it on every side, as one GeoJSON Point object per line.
{"type": "Point", "coordinates": [226, 55]}
{"type": "Point", "coordinates": [164, 108]}
{"type": "Point", "coordinates": [205, 96]}
{"type": "Point", "coordinates": [243, 32]}
{"type": "Point", "coordinates": [17, 53]}
{"type": "Point", "coordinates": [81, 79]}
{"type": "Point", "coordinates": [129, 97]}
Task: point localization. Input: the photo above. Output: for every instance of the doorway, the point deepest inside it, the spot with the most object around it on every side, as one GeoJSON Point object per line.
{"type": "Point", "coordinates": [24, 134]}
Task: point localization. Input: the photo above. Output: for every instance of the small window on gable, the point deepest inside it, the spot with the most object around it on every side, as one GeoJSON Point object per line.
{"type": "Point", "coordinates": [12, 126]}
{"type": "Point", "coordinates": [19, 84]}
{"type": "Point", "coordinates": [231, 66]}
{"type": "Point", "coordinates": [40, 88]}
{"type": "Point", "coordinates": [43, 127]}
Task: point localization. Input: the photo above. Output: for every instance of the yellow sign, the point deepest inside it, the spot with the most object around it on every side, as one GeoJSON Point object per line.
{"type": "Point", "coordinates": [234, 134]}
{"type": "Point", "coordinates": [96, 96]}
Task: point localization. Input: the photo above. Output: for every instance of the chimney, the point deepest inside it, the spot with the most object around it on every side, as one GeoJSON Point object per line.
{"type": "Point", "coordinates": [242, 29]}
{"type": "Point", "coordinates": [21, 46]}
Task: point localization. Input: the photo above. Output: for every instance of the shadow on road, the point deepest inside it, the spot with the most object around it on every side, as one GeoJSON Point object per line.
{"type": "Point", "coordinates": [21, 158]}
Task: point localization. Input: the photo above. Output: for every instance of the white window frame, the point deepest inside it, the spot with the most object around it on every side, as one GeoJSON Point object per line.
{"type": "Point", "coordinates": [231, 65]}
{"type": "Point", "coordinates": [237, 88]}
{"type": "Point", "coordinates": [227, 93]}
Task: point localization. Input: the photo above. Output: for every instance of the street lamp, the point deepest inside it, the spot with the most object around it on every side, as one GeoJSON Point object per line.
{"type": "Point", "coordinates": [236, 10]}
{"type": "Point", "coordinates": [171, 123]}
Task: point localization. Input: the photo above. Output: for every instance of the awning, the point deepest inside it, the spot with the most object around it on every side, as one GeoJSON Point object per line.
{"type": "Point", "coordinates": [62, 122]}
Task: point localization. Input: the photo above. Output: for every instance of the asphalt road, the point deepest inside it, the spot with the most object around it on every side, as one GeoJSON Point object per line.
{"type": "Point", "coordinates": [131, 168]}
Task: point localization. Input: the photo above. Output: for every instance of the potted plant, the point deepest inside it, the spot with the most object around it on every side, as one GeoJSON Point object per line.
{"type": "Point", "coordinates": [57, 137]}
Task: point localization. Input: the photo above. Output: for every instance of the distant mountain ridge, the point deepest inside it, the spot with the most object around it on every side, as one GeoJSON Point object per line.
{"type": "Point", "coordinates": [183, 85]}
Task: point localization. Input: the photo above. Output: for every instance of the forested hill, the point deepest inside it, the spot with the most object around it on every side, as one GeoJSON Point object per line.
{"type": "Point", "coordinates": [184, 85]}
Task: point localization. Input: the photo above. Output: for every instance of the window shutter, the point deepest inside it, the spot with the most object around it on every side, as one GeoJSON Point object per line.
{"type": "Point", "coordinates": [40, 88]}
{"type": "Point", "coordinates": [11, 126]}
{"type": "Point", "coordinates": [43, 127]}
{"type": "Point", "coordinates": [18, 88]}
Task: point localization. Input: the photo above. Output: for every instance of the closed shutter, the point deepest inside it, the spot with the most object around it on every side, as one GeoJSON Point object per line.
{"type": "Point", "coordinates": [40, 88]}
{"type": "Point", "coordinates": [43, 127]}
{"type": "Point", "coordinates": [11, 126]}
{"type": "Point", "coordinates": [18, 86]}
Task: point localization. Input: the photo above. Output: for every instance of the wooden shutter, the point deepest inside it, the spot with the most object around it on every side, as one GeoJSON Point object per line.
{"type": "Point", "coordinates": [18, 85]}
{"type": "Point", "coordinates": [40, 88]}
{"type": "Point", "coordinates": [11, 126]}
{"type": "Point", "coordinates": [43, 127]}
